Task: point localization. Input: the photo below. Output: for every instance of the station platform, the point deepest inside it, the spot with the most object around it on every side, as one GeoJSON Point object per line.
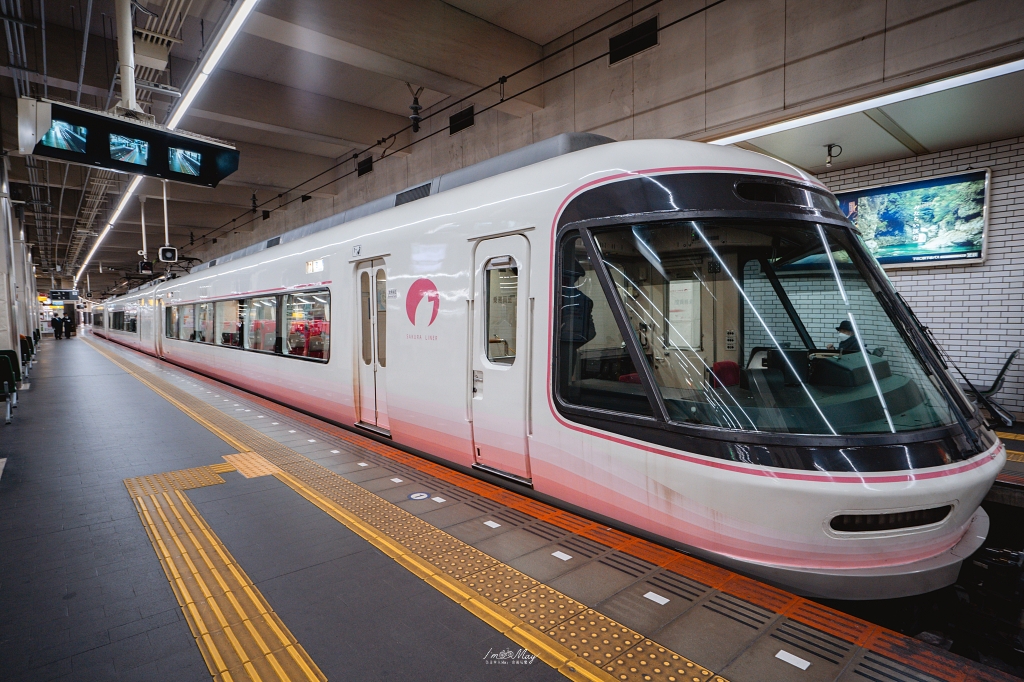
{"type": "Point", "coordinates": [157, 524]}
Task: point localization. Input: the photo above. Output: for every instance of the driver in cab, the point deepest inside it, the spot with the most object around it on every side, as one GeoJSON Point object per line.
{"type": "Point", "coordinates": [847, 341]}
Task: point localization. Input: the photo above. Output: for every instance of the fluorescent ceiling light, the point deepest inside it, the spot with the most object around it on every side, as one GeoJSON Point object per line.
{"type": "Point", "coordinates": [209, 63]}
{"type": "Point", "coordinates": [212, 58]}
{"type": "Point", "coordinates": [874, 103]}
{"type": "Point", "coordinates": [132, 186]}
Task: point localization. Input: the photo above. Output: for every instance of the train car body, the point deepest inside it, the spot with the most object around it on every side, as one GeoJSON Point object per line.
{"type": "Point", "coordinates": [639, 329]}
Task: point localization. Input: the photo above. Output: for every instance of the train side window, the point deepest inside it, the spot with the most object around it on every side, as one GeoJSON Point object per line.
{"type": "Point", "coordinates": [308, 318]}
{"type": "Point", "coordinates": [171, 321]}
{"type": "Point", "coordinates": [382, 318]}
{"type": "Point", "coordinates": [593, 367]}
{"type": "Point", "coordinates": [117, 320]}
{"type": "Point", "coordinates": [229, 324]}
{"type": "Point", "coordinates": [187, 324]}
{"type": "Point", "coordinates": [260, 319]}
{"type": "Point", "coordinates": [502, 288]}
{"type": "Point", "coordinates": [204, 323]}
{"type": "Point", "coordinates": [366, 317]}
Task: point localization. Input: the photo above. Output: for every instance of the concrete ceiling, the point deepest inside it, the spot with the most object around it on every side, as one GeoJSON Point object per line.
{"type": "Point", "coordinates": [304, 84]}
{"type": "Point", "coordinates": [971, 114]}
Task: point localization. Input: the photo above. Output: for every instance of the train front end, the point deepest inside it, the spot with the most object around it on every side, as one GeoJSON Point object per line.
{"type": "Point", "coordinates": [753, 388]}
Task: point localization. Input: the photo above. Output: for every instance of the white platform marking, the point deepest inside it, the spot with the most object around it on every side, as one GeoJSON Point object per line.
{"type": "Point", "coordinates": [3, 461]}
{"type": "Point", "coordinates": [334, 452]}
{"type": "Point", "coordinates": [657, 598]}
{"type": "Point", "coordinates": [363, 464]}
{"type": "Point", "coordinates": [561, 555]}
{"type": "Point", "coordinates": [396, 480]}
{"type": "Point", "coordinates": [439, 500]}
{"type": "Point", "coordinates": [274, 423]}
{"type": "Point", "coordinates": [492, 524]}
{"type": "Point", "coordinates": [784, 655]}
{"type": "Point", "coordinates": [312, 440]}
{"type": "Point", "coordinates": [291, 431]}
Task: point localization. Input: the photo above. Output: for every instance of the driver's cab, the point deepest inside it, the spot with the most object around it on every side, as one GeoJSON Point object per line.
{"type": "Point", "coordinates": [743, 324]}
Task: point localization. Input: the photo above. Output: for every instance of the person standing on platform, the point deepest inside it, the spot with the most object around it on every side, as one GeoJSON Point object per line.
{"type": "Point", "coordinates": [58, 326]}
{"type": "Point", "coordinates": [69, 326]}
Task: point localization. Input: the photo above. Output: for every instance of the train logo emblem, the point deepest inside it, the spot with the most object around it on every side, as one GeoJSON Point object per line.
{"type": "Point", "coordinates": [422, 289]}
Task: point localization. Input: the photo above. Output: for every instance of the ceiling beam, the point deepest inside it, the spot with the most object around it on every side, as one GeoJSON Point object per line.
{"type": "Point", "coordinates": [283, 110]}
{"type": "Point", "coordinates": [458, 58]}
{"type": "Point", "coordinates": [890, 126]}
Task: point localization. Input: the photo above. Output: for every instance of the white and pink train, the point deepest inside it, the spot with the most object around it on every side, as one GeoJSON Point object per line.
{"type": "Point", "coordinates": [687, 340]}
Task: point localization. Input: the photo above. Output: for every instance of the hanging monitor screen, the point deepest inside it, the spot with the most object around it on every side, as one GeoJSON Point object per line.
{"type": "Point", "coordinates": [129, 150]}
{"type": "Point", "coordinates": [936, 221]}
{"type": "Point", "coordinates": [63, 135]}
{"type": "Point", "coordinates": [184, 161]}
{"type": "Point", "coordinates": [101, 140]}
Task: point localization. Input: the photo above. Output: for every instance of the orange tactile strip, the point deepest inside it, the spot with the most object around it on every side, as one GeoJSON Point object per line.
{"type": "Point", "coordinates": [880, 640]}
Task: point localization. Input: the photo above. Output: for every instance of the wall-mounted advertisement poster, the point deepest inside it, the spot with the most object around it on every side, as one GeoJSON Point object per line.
{"type": "Point", "coordinates": [938, 221]}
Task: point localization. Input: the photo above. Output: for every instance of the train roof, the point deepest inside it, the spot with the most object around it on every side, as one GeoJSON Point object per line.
{"type": "Point", "coordinates": [559, 145]}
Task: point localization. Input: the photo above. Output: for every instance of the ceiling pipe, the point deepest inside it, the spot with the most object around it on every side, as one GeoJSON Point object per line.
{"type": "Point", "coordinates": [85, 47]}
{"type": "Point", "coordinates": [126, 53]}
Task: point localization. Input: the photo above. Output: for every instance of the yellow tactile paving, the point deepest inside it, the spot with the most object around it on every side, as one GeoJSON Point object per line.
{"type": "Point", "coordinates": [251, 465]}
{"type": "Point", "coordinates": [581, 643]}
{"type": "Point", "coordinates": [239, 635]}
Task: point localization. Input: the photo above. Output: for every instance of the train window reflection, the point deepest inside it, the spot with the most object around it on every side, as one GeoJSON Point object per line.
{"type": "Point", "coordinates": [260, 315]}
{"type": "Point", "coordinates": [366, 318]}
{"type": "Point", "coordinates": [171, 322]}
{"type": "Point", "coordinates": [382, 318]}
{"type": "Point", "coordinates": [204, 323]}
{"type": "Point", "coordinates": [594, 368]}
{"type": "Point", "coordinates": [779, 347]}
{"type": "Point", "coordinates": [187, 328]}
{"type": "Point", "coordinates": [502, 287]}
{"type": "Point", "coordinates": [229, 324]}
{"type": "Point", "coordinates": [308, 319]}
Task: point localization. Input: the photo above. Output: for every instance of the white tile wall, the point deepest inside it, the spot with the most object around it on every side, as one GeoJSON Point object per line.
{"type": "Point", "coordinates": [976, 311]}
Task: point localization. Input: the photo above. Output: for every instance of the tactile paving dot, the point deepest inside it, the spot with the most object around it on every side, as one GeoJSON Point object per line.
{"type": "Point", "coordinates": [543, 607]}
{"type": "Point", "coordinates": [594, 637]}
{"type": "Point", "coordinates": [434, 544]}
{"type": "Point", "coordinates": [462, 561]}
{"type": "Point", "coordinates": [499, 583]}
{"type": "Point", "coordinates": [651, 662]}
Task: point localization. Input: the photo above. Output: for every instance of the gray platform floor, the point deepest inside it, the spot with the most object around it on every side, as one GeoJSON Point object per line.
{"type": "Point", "coordinates": [83, 597]}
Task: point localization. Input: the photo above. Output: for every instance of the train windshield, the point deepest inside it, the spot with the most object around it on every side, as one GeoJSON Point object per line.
{"type": "Point", "coordinates": [749, 325]}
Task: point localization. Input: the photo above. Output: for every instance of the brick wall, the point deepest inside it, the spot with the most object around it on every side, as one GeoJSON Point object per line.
{"type": "Point", "coordinates": [976, 311]}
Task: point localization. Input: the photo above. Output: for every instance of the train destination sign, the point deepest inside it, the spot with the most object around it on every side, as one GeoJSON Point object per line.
{"type": "Point", "coordinates": [98, 139]}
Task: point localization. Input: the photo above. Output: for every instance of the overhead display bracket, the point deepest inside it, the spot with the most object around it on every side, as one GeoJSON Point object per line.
{"type": "Point", "coordinates": [97, 139]}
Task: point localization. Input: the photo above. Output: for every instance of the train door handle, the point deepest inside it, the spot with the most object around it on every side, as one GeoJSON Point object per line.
{"type": "Point", "coordinates": [478, 378]}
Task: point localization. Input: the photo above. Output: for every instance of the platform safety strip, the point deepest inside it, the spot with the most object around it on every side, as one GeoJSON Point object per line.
{"type": "Point", "coordinates": [579, 642]}
{"type": "Point", "coordinates": [239, 635]}
{"type": "Point", "coordinates": [513, 602]}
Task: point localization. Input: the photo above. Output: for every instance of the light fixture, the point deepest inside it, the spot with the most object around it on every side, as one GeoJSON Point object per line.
{"type": "Point", "coordinates": [222, 42]}
{"type": "Point", "coordinates": [240, 12]}
{"type": "Point", "coordinates": [874, 103]}
{"type": "Point", "coordinates": [831, 153]}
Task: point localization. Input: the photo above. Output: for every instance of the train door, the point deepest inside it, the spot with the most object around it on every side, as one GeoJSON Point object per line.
{"type": "Point", "coordinates": [501, 355]}
{"type": "Point", "coordinates": [159, 322]}
{"type": "Point", "coordinates": [371, 283]}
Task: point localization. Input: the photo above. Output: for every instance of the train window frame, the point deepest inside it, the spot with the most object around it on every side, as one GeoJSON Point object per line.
{"type": "Point", "coordinates": [916, 449]}
{"type": "Point", "coordinates": [247, 301]}
{"type": "Point", "coordinates": [218, 334]}
{"type": "Point", "coordinates": [282, 315]}
{"type": "Point", "coordinates": [172, 311]}
{"type": "Point", "coordinates": [280, 307]}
